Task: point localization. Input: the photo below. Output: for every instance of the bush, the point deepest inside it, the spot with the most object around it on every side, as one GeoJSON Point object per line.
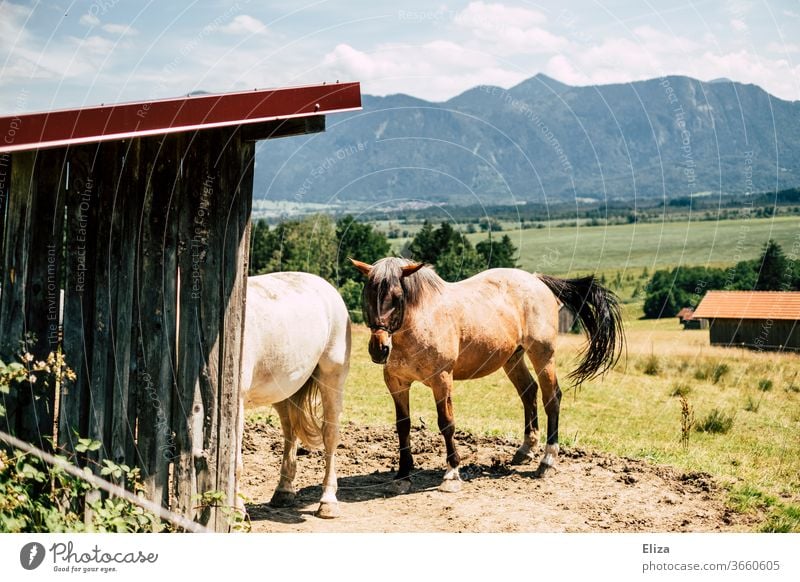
{"type": "Point", "coordinates": [765, 384]}
{"type": "Point", "coordinates": [35, 497]}
{"type": "Point", "coordinates": [716, 422]}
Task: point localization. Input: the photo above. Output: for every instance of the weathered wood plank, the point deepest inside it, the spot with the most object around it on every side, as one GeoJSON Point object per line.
{"type": "Point", "coordinates": [127, 201]}
{"type": "Point", "coordinates": [236, 187]}
{"type": "Point", "coordinates": [156, 308]}
{"type": "Point", "coordinates": [107, 167]}
{"type": "Point", "coordinates": [78, 293]}
{"type": "Point", "coordinates": [16, 242]}
{"type": "Point", "coordinates": [42, 300]}
{"type": "Point", "coordinates": [5, 184]}
{"type": "Point", "coordinates": [200, 315]}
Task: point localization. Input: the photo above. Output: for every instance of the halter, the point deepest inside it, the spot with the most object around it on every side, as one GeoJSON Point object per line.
{"type": "Point", "coordinates": [385, 328]}
{"type": "Point", "coordinates": [395, 323]}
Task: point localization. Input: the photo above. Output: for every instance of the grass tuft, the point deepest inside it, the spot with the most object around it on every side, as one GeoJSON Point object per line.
{"type": "Point", "coordinates": [680, 389]}
{"type": "Point", "coordinates": [720, 372]}
{"type": "Point", "coordinates": [783, 519]}
{"type": "Point", "coordinates": [752, 405]}
{"type": "Point", "coordinates": [765, 384]}
{"type": "Point", "coordinates": [716, 422]}
{"type": "Point", "coordinates": [652, 365]}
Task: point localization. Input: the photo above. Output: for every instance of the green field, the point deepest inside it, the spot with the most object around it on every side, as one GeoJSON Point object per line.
{"type": "Point", "coordinates": [571, 250]}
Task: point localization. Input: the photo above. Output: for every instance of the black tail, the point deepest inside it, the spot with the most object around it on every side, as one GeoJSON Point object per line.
{"type": "Point", "coordinates": [598, 310]}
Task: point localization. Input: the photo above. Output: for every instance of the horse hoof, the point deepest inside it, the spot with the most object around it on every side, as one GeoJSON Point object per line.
{"type": "Point", "coordinates": [400, 486]}
{"type": "Point", "coordinates": [328, 510]}
{"type": "Point", "coordinates": [521, 458]}
{"type": "Point", "coordinates": [542, 469]}
{"type": "Point", "coordinates": [450, 486]}
{"type": "Point", "coordinates": [282, 499]}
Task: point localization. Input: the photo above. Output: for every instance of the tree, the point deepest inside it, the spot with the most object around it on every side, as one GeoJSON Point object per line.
{"type": "Point", "coordinates": [424, 247]}
{"type": "Point", "coordinates": [360, 241]}
{"type": "Point", "coordinates": [497, 254]}
{"type": "Point", "coordinates": [459, 261]}
{"type": "Point", "coordinates": [773, 274]}
{"type": "Point", "coordinates": [260, 244]}
{"type": "Point", "coordinates": [299, 245]}
{"type": "Point", "coordinates": [661, 303]}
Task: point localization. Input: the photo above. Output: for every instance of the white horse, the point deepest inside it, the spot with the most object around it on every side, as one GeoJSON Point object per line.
{"type": "Point", "coordinates": [296, 350]}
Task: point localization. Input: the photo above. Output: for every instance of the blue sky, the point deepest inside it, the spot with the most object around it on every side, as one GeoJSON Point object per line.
{"type": "Point", "coordinates": [66, 54]}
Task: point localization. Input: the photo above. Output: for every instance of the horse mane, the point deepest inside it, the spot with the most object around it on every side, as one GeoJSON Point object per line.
{"type": "Point", "coordinates": [416, 287]}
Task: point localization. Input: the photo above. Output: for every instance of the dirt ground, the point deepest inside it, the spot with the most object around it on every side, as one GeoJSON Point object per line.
{"type": "Point", "coordinates": [587, 492]}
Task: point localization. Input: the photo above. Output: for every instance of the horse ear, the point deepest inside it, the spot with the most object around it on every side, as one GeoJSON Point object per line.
{"type": "Point", "coordinates": [412, 268]}
{"type": "Point", "coordinates": [363, 267]}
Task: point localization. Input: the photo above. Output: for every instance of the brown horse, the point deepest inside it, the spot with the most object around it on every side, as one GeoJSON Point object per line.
{"type": "Point", "coordinates": [427, 330]}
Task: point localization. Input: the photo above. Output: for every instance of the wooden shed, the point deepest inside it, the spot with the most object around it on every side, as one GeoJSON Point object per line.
{"type": "Point", "coordinates": [566, 319]}
{"type": "Point", "coordinates": [764, 320]}
{"type": "Point", "coordinates": [139, 213]}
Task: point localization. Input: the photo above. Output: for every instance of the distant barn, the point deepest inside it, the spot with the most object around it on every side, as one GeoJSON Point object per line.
{"type": "Point", "coordinates": [685, 315]}
{"type": "Point", "coordinates": [566, 319]}
{"type": "Point", "coordinates": [687, 319]}
{"type": "Point", "coordinates": [765, 320]}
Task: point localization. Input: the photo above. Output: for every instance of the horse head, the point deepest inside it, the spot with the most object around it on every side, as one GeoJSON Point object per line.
{"type": "Point", "coordinates": [384, 301]}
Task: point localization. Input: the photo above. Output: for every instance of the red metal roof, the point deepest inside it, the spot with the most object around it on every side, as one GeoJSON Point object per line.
{"type": "Point", "coordinates": [126, 120]}
{"type": "Point", "coordinates": [749, 305]}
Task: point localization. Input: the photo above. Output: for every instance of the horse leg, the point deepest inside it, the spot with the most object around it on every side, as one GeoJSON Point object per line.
{"type": "Point", "coordinates": [284, 495]}
{"type": "Point", "coordinates": [331, 384]}
{"type": "Point", "coordinates": [526, 386]}
{"type": "Point", "coordinates": [399, 391]}
{"type": "Point", "coordinates": [442, 387]}
{"type": "Point", "coordinates": [545, 366]}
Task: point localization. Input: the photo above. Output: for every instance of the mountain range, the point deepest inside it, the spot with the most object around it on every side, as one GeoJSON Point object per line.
{"type": "Point", "coordinates": [543, 140]}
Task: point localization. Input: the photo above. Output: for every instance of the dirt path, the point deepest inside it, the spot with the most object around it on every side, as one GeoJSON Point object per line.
{"type": "Point", "coordinates": [588, 492]}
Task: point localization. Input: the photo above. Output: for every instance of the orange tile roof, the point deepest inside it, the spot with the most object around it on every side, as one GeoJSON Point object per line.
{"type": "Point", "coordinates": [749, 305]}
{"type": "Point", "coordinates": [685, 313]}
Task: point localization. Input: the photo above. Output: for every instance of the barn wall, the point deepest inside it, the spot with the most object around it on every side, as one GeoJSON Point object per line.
{"type": "Point", "coordinates": [155, 235]}
{"type": "Point", "coordinates": [756, 333]}
{"type": "Point", "coordinates": [566, 319]}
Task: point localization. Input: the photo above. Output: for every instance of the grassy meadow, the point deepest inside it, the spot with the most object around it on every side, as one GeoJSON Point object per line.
{"type": "Point", "coordinates": [569, 250]}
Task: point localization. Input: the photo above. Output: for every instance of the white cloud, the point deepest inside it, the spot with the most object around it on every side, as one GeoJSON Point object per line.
{"type": "Point", "coordinates": [244, 24]}
{"type": "Point", "coordinates": [507, 30]}
{"type": "Point", "coordinates": [120, 29]}
{"type": "Point", "coordinates": [437, 70]}
{"type": "Point", "coordinates": [480, 15]}
{"type": "Point", "coordinates": [738, 25]}
{"type": "Point", "coordinates": [783, 47]}
{"type": "Point", "coordinates": [89, 20]}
